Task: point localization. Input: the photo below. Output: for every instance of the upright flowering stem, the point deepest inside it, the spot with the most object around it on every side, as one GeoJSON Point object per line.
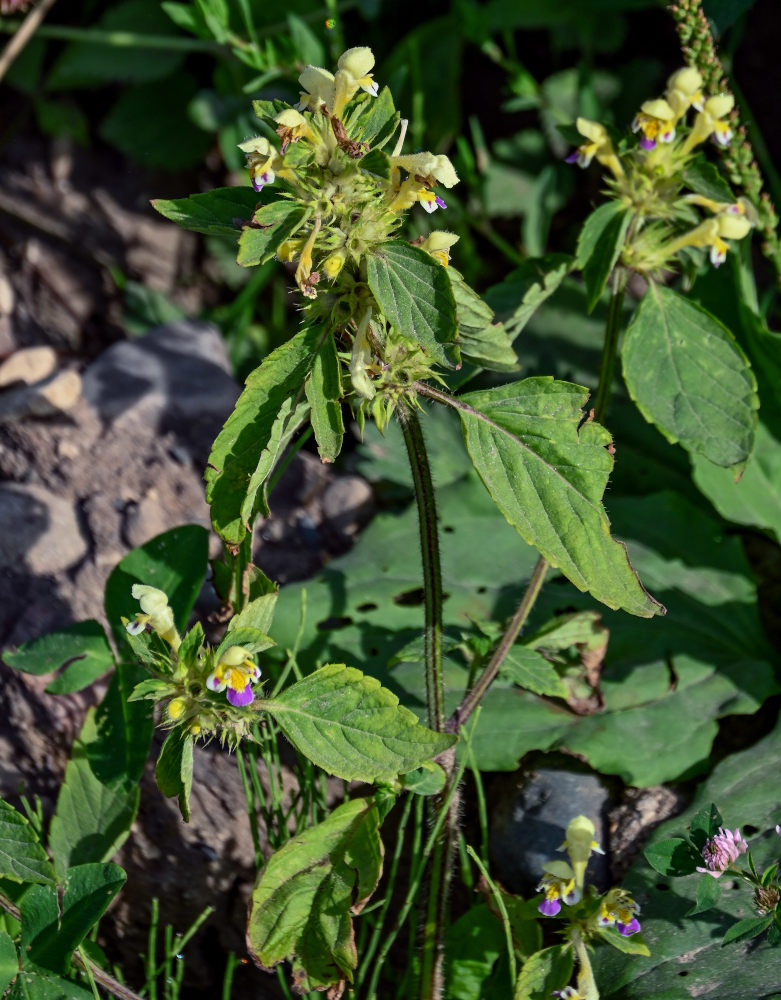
{"type": "Point", "coordinates": [435, 922]}
{"type": "Point", "coordinates": [610, 347]}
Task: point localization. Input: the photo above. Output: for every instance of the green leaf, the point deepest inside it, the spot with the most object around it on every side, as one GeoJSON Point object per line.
{"type": "Point", "coordinates": [92, 820]}
{"type": "Point", "coordinates": [473, 944]}
{"type": "Point", "coordinates": [525, 289]}
{"type": "Point", "coordinates": [88, 891]}
{"type": "Point", "coordinates": [483, 342]}
{"type": "Point", "coordinates": [35, 984]}
{"type": "Point", "coordinates": [426, 780]}
{"type": "Point", "coordinates": [251, 638]}
{"type": "Point", "coordinates": [219, 212]}
{"type": "Point", "coordinates": [302, 904]}
{"type": "Point", "coordinates": [546, 971]}
{"type": "Point", "coordinates": [377, 163]}
{"type": "Point", "coordinates": [705, 825]}
{"type": "Point", "coordinates": [413, 291]}
{"type": "Point", "coordinates": [581, 628]}
{"type": "Point", "coordinates": [348, 724]}
{"type": "Point", "coordinates": [269, 109]}
{"type": "Point", "coordinates": [377, 125]}
{"type": "Point", "coordinates": [9, 960]}
{"type": "Point", "coordinates": [547, 474]}
{"type": "Point", "coordinates": [708, 894]}
{"type": "Point", "coordinates": [748, 928]}
{"type": "Point", "coordinates": [291, 418]}
{"type": "Point", "coordinates": [174, 770]}
{"type": "Point", "coordinates": [324, 392]}
{"type": "Point", "coordinates": [21, 856]}
{"type": "Point", "coordinates": [239, 447]}
{"type": "Point", "coordinates": [82, 650]}
{"type": "Point", "coordinates": [258, 614]}
{"type": "Point", "coordinates": [690, 378]}
{"type": "Point", "coordinates": [633, 945]}
{"type": "Point", "coordinates": [530, 670]}
{"type": "Point", "coordinates": [40, 914]}
{"type": "Point", "coordinates": [118, 747]}
{"type": "Point", "coordinates": [599, 245]}
{"type": "Point", "coordinates": [306, 45]}
{"type": "Point", "coordinates": [272, 225]}
{"type": "Point", "coordinates": [704, 178]}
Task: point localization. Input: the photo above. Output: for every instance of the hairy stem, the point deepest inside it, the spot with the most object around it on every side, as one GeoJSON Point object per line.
{"type": "Point", "coordinates": [432, 573]}
{"type": "Point", "coordinates": [610, 347]}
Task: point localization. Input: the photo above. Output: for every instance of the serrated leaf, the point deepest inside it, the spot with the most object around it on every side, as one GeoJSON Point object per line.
{"type": "Point", "coordinates": [302, 904]}
{"type": "Point", "coordinates": [546, 971]}
{"type": "Point", "coordinates": [291, 418]}
{"type": "Point", "coordinates": [348, 724]}
{"type": "Point", "coordinates": [547, 476]}
{"type": "Point", "coordinates": [377, 124]}
{"type": "Point", "coordinates": [413, 291]}
{"type": "Point", "coordinates": [529, 670]}
{"type": "Point", "coordinates": [426, 780]}
{"type": "Point", "coordinates": [219, 212]}
{"type": "Point", "coordinates": [36, 984]}
{"type": "Point", "coordinates": [258, 613]}
{"type": "Point", "coordinates": [174, 770]}
{"type": "Point", "coordinates": [482, 341]}
{"type": "Point", "coordinates": [524, 290]}
{"type": "Point", "coordinates": [150, 689]}
{"type": "Point", "coordinates": [22, 858]}
{"type": "Point", "coordinates": [690, 378]}
{"type": "Point", "coordinates": [378, 163]}
{"type": "Point", "coordinates": [239, 446]}
{"type": "Point", "coordinates": [91, 820]}
{"type": "Point", "coordinates": [324, 392]}
{"type": "Point", "coordinates": [273, 224]}
{"type": "Point", "coordinates": [82, 650]}
{"type": "Point", "coordinates": [269, 109]}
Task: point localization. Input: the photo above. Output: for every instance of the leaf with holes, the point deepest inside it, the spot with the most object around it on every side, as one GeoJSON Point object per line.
{"type": "Point", "coordinates": [351, 726]}
{"type": "Point", "coordinates": [302, 906]}
{"type": "Point", "coordinates": [22, 858]}
{"type": "Point", "coordinates": [689, 377]}
{"type": "Point", "coordinates": [547, 474]}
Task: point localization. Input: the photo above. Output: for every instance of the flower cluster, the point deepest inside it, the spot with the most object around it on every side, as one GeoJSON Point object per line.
{"type": "Point", "coordinates": [721, 850]}
{"type": "Point", "coordinates": [650, 177]}
{"type": "Point", "coordinates": [189, 678]}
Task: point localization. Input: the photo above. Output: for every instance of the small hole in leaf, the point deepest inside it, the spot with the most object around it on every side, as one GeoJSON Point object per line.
{"type": "Point", "coordinates": [410, 598]}
{"type": "Point", "coordinates": [684, 972]}
{"type": "Point", "coordinates": [374, 651]}
{"type": "Point", "coordinates": [332, 624]}
{"type": "Point", "coordinates": [449, 529]}
{"type": "Point", "coordinates": [750, 831]}
{"type": "Point", "coordinates": [368, 606]}
{"type": "Point", "coordinates": [662, 887]}
{"type": "Point", "coordinates": [481, 590]}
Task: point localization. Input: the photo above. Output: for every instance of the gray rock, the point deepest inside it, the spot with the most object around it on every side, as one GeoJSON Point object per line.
{"type": "Point", "coordinates": [347, 505]}
{"type": "Point", "coordinates": [38, 530]}
{"type": "Point", "coordinates": [529, 817]}
{"type": "Point", "coordinates": [174, 378]}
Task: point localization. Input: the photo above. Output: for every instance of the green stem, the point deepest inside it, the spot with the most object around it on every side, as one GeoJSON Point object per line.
{"type": "Point", "coordinates": [610, 347]}
{"type": "Point", "coordinates": [511, 633]}
{"type": "Point", "coordinates": [432, 573]}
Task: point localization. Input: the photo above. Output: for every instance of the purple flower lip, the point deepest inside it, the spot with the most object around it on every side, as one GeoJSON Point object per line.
{"type": "Point", "coordinates": [440, 202]}
{"type": "Point", "coordinates": [240, 698]}
{"type": "Point", "coordinates": [573, 157]}
{"type": "Point", "coordinates": [628, 929]}
{"type": "Point", "coordinates": [549, 907]}
{"type": "Point", "coordinates": [648, 143]}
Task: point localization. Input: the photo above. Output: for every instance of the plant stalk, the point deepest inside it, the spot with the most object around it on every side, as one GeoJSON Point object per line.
{"type": "Point", "coordinates": [610, 347]}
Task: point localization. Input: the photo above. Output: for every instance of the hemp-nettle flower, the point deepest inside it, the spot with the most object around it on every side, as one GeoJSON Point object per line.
{"type": "Point", "coordinates": [236, 672]}
{"type": "Point", "coordinates": [558, 884]}
{"type": "Point", "coordinates": [568, 993]}
{"type": "Point", "coordinates": [721, 850]}
{"type": "Point", "coordinates": [429, 167]}
{"type": "Point", "coordinates": [318, 87]}
{"type": "Point", "coordinates": [598, 145]}
{"type": "Point", "coordinates": [260, 158]}
{"type": "Point", "coordinates": [711, 121]}
{"type": "Point", "coordinates": [155, 613]}
{"type": "Point", "coordinates": [684, 91]}
{"type": "Point", "coordinates": [358, 63]}
{"type": "Point", "coordinates": [580, 844]}
{"type": "Point", "coordinates": [438, 244]}
{"type": "Point", "coordinates": [730, 224]}
{"type": "Point", "coordinates": [175, 709]}
{"type": "Point", "coordinates": [656, 120]}
{"type": "Point", "coordinates": [291, 126]}
{"type": "Point", "coordinates": [619, 908]}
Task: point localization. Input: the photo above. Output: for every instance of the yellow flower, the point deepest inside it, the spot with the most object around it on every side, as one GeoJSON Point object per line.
{"type": "Point", "coordinates": [261, 157]}
{"type": "Point", "coordinates": [714, 232]}
{"type": "Point", "coordinates": [155, 613]}
{"type": "Point", "coordinates": [598, 145]}
{"type": "Point", "coordinates": [430, 168]}
{"type": "Point", "coordinates": [292, 126]}
{"type": "Point", "coordinates": [684, 91]}
{"type": "Point", "coordinates": [656, 120]}
{"type": "Point", "coordinates": [438, 244]}
{"type": "Point", "coordinates": [711, 121]}
{"type": "Point", "coordinates": [358, 63]}
{"type": "Point", "coordinates": [318, 87]}
{"type": "Point", "coordinates": [580, 844]}
{"type": "Point", "coordinates": [237, 672]}
{"type": "Point", "coordinates": [176, 708]}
